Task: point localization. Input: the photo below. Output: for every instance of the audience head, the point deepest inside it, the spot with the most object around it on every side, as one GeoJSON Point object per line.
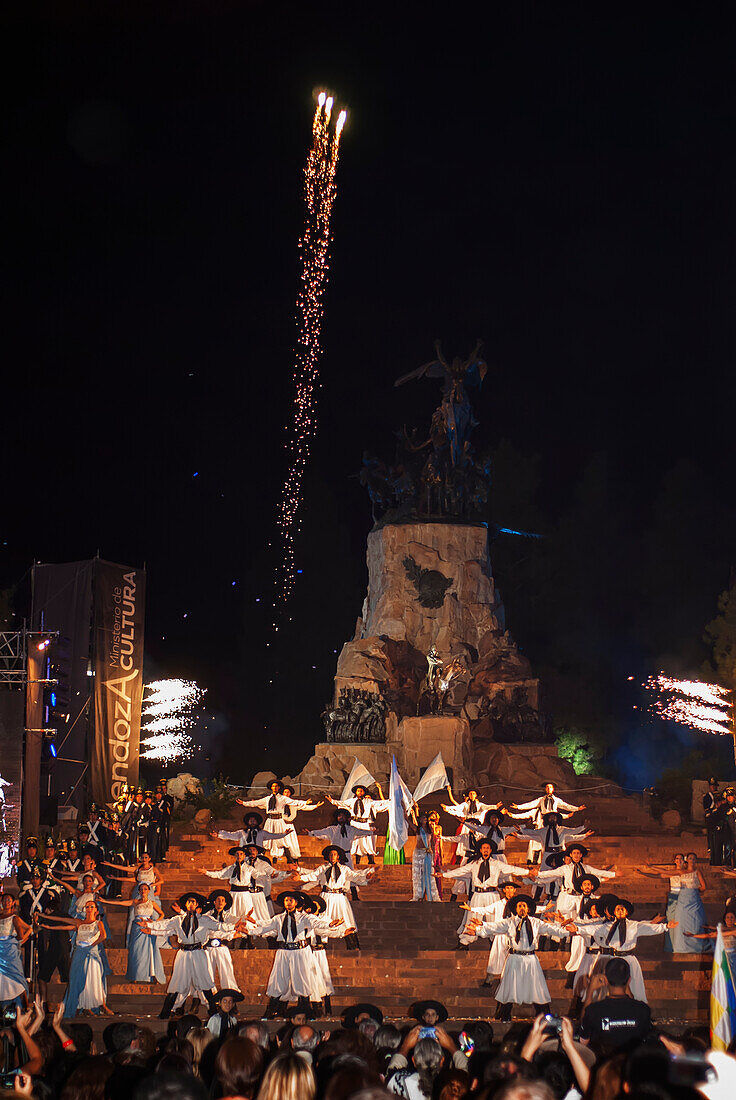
{"type": "Point", "coordinates": [238, 1067]}
{"type": "Point", "coordinates": [618, 973]}
{"type": "Point", "coordinates": [305, 1038]}
{"type": "Point", "coordinates": [289, 1077]}
{"type": "Point", "coordinates": [257, 1032]}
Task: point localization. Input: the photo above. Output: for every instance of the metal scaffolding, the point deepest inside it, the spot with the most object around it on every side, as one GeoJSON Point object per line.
{"type": "Point", "coordinates": [13, 660]}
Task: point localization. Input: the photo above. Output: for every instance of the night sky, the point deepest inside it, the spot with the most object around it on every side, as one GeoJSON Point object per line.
{"type": "Point", "coordinates": [556, 180]}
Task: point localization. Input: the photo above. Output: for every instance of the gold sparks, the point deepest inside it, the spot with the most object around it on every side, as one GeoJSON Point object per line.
{"type": "Point", "coordinates": [694, 703]}
{"type": "Point", "coordinates": [319, 196]}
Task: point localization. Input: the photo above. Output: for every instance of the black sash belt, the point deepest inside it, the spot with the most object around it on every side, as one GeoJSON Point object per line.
{"type": "Point", "coordinates": [190, 946]}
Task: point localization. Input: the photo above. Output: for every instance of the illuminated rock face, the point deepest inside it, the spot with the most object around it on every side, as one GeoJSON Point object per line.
{"type": "Point", "coordinates": [429, 584]}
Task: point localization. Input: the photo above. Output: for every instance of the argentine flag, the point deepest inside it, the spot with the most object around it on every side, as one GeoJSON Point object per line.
{"type": "Point", "coordinates": [722, 998]}
{"type": "Point", "coordinates": [399, 797]}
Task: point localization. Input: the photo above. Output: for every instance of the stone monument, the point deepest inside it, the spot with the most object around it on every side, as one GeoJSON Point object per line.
{"type": "Point", "coordinates": [431, 667]}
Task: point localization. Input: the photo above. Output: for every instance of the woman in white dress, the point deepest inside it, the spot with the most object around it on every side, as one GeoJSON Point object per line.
{"type": "Point", "coordinates": [86, 992]}
{"type": "Point", "coordinates": [522, 981]}
{"type": "Point", "coordinates": [334, 879]}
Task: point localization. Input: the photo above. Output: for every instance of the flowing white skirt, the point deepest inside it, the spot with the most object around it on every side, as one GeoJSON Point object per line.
{"type": "Point", "coordinates": [221, 963]}
{"type": "Point", "coordinates": [523, 982]}
{"type": "Point", "coordinates": [192, 973]}
{"type": "Point", "coordinates": [293, 975]}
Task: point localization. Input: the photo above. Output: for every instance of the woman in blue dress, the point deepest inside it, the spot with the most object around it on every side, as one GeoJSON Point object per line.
{"type": "Point", "coordinates": [144, 954]}
{"type": "Point", "coordinates": [144, 871]}
{"type": "Point", "coordinates": [86, 993]}
{"type": "Point", "coordinates": [13, 934]}
{"type": "Point", "coordinates": [674, 941]}
{"type": "Point", "coordinates": [690, 909]}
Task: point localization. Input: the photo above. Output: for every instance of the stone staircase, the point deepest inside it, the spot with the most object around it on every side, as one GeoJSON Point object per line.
{"type": "Point", "coordinates": [408, 949]}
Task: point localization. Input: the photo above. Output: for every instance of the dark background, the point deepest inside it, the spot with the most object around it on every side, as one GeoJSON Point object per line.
{"type": "Point", "coordinates": [555, 179]}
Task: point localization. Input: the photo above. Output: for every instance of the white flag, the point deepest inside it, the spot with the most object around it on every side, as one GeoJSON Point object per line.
{"type": "Point", "coordinates": [399, 797]}
{"type": "Point", "coordinates": [434, 778]}
{"type": "Point", "coordinates": [358, 774]}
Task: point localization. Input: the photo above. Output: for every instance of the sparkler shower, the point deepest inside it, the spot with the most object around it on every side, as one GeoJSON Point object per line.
{"type": "Point", "coordinates": [169, 712]}
{"type": "Point", "coordinates": [319, 196]}
{"type": "Point", "coordinates": [694, 703]}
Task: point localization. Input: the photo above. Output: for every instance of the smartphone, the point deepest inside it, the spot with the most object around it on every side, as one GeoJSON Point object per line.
{"type": "Point", "coordinates": [552, 1024]}
{"type": "Point", "coordinates": [690, 1069]}
{"type": "Point", "coordinates": [428, 1033]}
{"type": "Point", "coordinates": [467, 1045]}
{"type": "Point", "coordinates": [7, 1080]}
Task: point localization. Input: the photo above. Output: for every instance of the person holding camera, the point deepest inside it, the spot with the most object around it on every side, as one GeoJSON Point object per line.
{"type": "Point", "coordinates": [618, 1020]}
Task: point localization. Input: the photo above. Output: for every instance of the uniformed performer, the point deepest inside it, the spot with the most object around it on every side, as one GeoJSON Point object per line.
{"type": "Point", "coordinates": [472, 812]}
{"type": "Point", "coordinates": [536, 809]}
{"type": "Point", "coordinates": [334, 879]}
{"type": "Point", "coordinates": [192, 972]}
{"type": "Point", "coordinates": [363, 809]}
{"type": "Point", "coordinates": [484, 875]}
{"type": "Point", "coordinates": [274, 805]}
{"type": "Point", "coordinates": [292, 976]}
{"type": "Point", "coordinates": [522, 980]}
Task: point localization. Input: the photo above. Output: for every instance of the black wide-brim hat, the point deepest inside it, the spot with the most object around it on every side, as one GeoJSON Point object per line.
{"type": "Point", "coordinates": [359, 787]}
{"type": "Point", "coordinates": [235, 849]}
{"type": "Point", "coordinates": [351, 1013]}
{"type": "Point", "coordinates": [221, 894]}
{"type": "Point", "coordinates": [316, 903]}
{"type": "Point", "coordinates": [513, 903]}
{"type": "Point", "coordinates": [200, 899]}
{"type": "Point", "coordinates": [546, 818]}
{"type": "Point", "coordinates": [591, 878]}
{"type": "Point", "coordinates": [576, 846]}
{"type": "Point", "coordinates": [418, 1009]}
{"type": "Point", "coordinates": [628, 905]}
{"type": "Point", "coordinates": [295, 894]}
{"type": "Point", "coordinates": [554, 860]}
{"type": "Point", "coordinates": [258, 847]}
{"type": "Point", "coordinates": [342, 854]}
{"type": "Point", "coordinates": [342, 813]}
{"type": "Point", "coordinates": [248, 816]}
{"type": "Point", "coordinates": [278, 783]}
{"type": "Point", "coordinates": [234, 993]}
{"type": "Point", "coordinates": [606, 902]}
{"type": "Point", "coordinates": [494, 813]}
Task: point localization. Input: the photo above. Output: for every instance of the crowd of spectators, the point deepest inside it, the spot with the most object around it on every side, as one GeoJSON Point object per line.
{"type": "Point", "coordinates": [614, 1052]}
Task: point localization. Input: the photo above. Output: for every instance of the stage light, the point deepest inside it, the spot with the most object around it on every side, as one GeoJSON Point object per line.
{"type": "Point", "coordinates": [52, 698]}
{"type": "Point", "coordinates": [44, 645]}
{"type": "Point", "coordinates": [52, 750]}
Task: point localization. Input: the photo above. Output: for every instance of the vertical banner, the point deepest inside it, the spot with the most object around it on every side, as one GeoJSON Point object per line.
{"type": "Point", "coordinates": [119, 595]}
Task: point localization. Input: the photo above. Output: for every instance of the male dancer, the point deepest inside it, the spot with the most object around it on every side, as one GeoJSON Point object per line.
{"type": "Point", "coordinates": [363, 810]}
{"type": "Point", "coordinates": [537, 808]}
{"type": "Point", "coordinates": [274, 804]}
{"type": "Point", "coordinates": [292, 975]}
{"type": "Point", "coordinates": [192, 971]}
{"type": "Point", "coordinates": [484, 875]}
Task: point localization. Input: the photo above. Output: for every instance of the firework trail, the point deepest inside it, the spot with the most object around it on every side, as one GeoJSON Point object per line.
{"type": "Point", "coordinates": [694, 703]}
{"type": "Point", "coordinates": [169, 712]}
{"type": "Point", "coordinates": [319, 196]}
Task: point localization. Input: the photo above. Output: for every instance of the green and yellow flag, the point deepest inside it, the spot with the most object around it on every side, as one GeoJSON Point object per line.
{"type": "Point", "coordinates": [722, 998]}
